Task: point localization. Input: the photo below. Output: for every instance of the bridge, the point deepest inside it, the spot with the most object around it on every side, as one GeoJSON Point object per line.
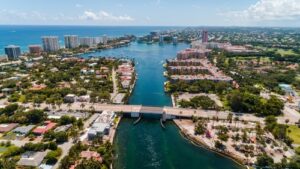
{"type": "Point", "coordinates": [165, 112]}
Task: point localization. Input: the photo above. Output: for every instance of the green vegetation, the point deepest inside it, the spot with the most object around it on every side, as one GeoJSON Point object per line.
{"type": "Point", "coordinates": [52, 156]}
{"type": "Point", "coordinates": [203, 86]}
{"type": "Point", "coordinates": [200, 127]}
{"type": "Point", "coordinates": [203, 102]}
{"type": "Point", "coordinates": [279, 131]}
{"type": "Point", "coordinates": [58, 78]}
{"type": "Point", "coordinates": [250, 103]}
{"type": "Point", "coordinates": [104, 149]}
{"type": "Point", "coordinates": [294, 133]}
{"type": "Point", "coordinates": [21, 116]}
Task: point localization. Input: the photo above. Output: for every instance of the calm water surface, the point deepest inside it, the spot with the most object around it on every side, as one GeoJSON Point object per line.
{"type": "Point", "coordinates": [147, 145]}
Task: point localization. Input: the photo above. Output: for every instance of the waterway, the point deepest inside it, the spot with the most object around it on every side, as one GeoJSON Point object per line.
{"type": "Point", "coordinates": [147, 145]}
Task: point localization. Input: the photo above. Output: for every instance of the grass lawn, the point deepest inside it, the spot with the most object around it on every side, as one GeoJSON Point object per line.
{"type": "Point", "coordinates": [2, 149]}
{"type": "Point", "coordinates": [283, 52]}
{"type": "Point", "coordinates": [295, 133]}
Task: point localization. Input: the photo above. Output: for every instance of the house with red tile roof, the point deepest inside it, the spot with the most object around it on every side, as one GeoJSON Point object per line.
{"type": "Point", "coordinates": [91, 155]}
{"type": "Point", "coordinates": [48, 125]}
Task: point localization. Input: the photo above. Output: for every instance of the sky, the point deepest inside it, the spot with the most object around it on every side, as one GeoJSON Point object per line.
{"type": "Point", "coordinates": [282, 13]}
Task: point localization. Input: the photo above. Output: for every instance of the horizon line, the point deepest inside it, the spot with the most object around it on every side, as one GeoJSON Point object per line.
{"type": "Point", "coordinates": [179, 26]}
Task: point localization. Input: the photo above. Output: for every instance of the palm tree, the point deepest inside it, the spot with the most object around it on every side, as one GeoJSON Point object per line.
{"type": "Point", "coordinates": [236, 119]}
{"type": "Point", "coordinates": [229, 117]}
{"type": "Point", "coordinates": [92, 109]}
{"type": "Point", "coordinates": [82, 105]}
{"type": "Point", "coordinates": [69, 106]}
{"type": "Point", "coordinates": [287, 121]}
{"type": "Point", "coordinates": [59, 103]}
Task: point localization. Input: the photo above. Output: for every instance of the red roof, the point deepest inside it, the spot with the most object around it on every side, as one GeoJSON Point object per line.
{"type": "Point", "coordinates": [91, 155]}
{"type": "Point", "coordinates": [48, 125]}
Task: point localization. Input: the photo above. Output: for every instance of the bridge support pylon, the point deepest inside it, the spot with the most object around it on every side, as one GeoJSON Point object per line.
{"type": "Point", "coordinates": [135, 115]}
{"type": "Point", "coordinates": [164, 117]}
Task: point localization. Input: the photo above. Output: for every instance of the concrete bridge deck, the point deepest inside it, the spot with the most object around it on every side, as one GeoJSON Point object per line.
{"type": "Point", "coordinates": [170, 112]}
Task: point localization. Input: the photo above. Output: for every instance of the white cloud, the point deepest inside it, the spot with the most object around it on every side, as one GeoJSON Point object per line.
{"type": "Point", "coordinates": [36, 17]}
{"type": "Point", "coordinates": [104, 16]}
{"type": "Point", "coordinates": [268, 10]}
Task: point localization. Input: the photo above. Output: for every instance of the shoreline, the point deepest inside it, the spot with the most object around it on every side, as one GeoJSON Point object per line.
{"type": "Point", "coordinates": [201, 144]}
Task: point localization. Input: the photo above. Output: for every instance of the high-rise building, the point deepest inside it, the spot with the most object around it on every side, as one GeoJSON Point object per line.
{"type": "Point", "coordinates": [96, 40]}
{"type": "Point", "coordinates": [50, 43]}
{"type": "Point", "coordinates": [12, 52]}
{"type": "Point", "coordinates": [86, 41]}
{"type": "Point", "coordinates": [175, 40]}
{"type": "Point", "coordinates": [35, 49]}
{"type": "Point", "coordinates": [204, 36]}
{"type": "Point", "coordinates": [161, 39]}
{"type": "Point", "coordinates": [104, 39]}
{"type": "Point", "coordinates": [71, 41]}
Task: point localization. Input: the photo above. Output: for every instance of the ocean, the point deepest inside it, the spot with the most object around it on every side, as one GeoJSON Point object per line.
{"type": "Point", "coordinates": [26, 35]}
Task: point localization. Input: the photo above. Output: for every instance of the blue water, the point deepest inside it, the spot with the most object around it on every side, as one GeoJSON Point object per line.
{"type": "Point", "coordinates": [26, 35]}
{"type": "Point", "coordinates": [147, 145]}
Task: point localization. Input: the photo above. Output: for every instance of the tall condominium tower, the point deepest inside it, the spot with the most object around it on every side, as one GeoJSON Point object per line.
{"type": "Point", "coordinates": [12, 52]}
{"type": "Point", "coordinates": [50, 43]}
{"type": "Point", "coordinates": [35, 49]}
{"type": "Point", "coordinates": [204, 36]}
{"type": "Point", "coordinates": [71, 41]}
{"type": "Point", "coordinates": [87, 41]}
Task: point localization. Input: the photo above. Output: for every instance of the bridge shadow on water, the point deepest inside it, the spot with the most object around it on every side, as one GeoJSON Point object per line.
{"type": "Point", "coordinates": [150, 116]}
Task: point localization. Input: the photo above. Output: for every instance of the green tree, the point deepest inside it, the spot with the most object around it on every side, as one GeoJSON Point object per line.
{"type": "Point", "coordinates": [264, 161]}
{"type": "Point", "coordinates": [35, 116]}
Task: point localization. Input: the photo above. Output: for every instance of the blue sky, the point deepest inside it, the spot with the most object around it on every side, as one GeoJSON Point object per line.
{"type": "Point", "coordinates": [152, 12]}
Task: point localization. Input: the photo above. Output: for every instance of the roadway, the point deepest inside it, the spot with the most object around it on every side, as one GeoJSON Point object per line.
{"type": "Point", "coordinates": [288, 114]}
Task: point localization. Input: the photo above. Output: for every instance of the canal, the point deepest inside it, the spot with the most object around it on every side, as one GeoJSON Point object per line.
{"type": "Point", "coordinates": [147, 145]}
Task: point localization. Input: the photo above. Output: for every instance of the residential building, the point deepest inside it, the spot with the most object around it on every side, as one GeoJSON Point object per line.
{"type": "Point", "coordinates": [63, 128]}
{"type": "Point", "coordinates": [91, 155]}
{"type": "Point", "coordinates": [175, 40]}
{"type": "Point", "coordinates": [50, 43]}
{"type": "Point", "coordinates": [7, 91]}
{"type": "Point", "coordinates": [192, 65]}
{"type": "Point", "coordinates": [86, 41]}
{"type": "Point", "coordinates": [96, 40]}
{"type": "Point", "coordinates": [13, 52]}
{"type": "Point", "coordinates": [48, 125]}
{"type": "Point", "coordinates": [161, 39]}
{"type": "Point", "coordinates": [71, 41]}
{"type": "Point", "coordinates": [192, 54]}
{"type": "Point", "coordinates": [70, 98]}
{"type": "Point", "coordinates": [7, 127]}
{"type": "Point", "coordinates": [104, 39]}
{"type": "Point", "coordinates": [85, 98]}
{"type": "Point", "coordinates": [59, 114]}
{"type": "Point", "coordinates": [35, 49]}
{"type": "Point", "coordinates": [23, 130]}
{"type": "Point", "coordinates": [31, 158]}
{"type": "Point", "coordinates": [102, 125]}
{"type": "Point", "coordinates": [204, 36]}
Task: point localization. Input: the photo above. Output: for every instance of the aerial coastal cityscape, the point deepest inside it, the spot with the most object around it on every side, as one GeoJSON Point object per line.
{"type": "Point", "coordinates": [78, 94]}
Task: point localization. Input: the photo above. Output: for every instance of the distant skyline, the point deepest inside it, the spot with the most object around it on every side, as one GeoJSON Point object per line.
{"type": "Point", "coordinates": [282, 13]}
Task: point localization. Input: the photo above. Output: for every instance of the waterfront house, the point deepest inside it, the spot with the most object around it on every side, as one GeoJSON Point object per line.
{"type": "Point", "coordinates": [91, 155]}
{"type": "Point", "coordinates": [102, 125]}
